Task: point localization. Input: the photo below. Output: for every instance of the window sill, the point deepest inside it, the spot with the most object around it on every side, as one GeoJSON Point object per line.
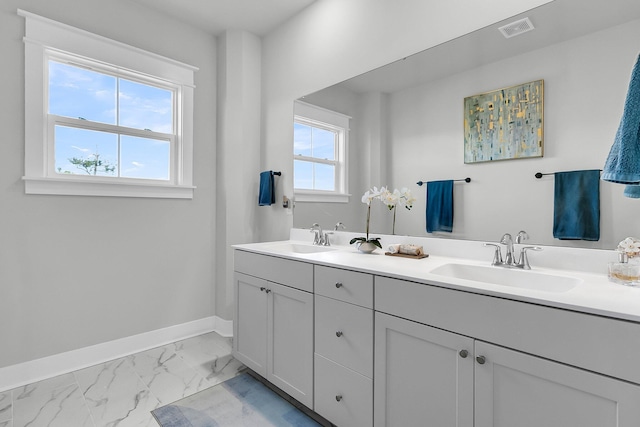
{"type": "Point", "coordinates": [309, 197]}
{"type": "Point", "coordinates": [78, 187]}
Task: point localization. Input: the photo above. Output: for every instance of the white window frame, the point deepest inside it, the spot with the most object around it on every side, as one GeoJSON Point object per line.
{"type": "Point", "coordinates": [323, 118]}
{"type": "Point", "coordinates": [47, 39]}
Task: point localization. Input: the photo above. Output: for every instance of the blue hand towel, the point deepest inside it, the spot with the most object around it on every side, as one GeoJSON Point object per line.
{"type": "Point", "coordinates": [440, 206]}
{"type": "Point", "coordinates": [632, 191]}
{"type": "Point", "coordinates": [576, 211]}
{"type": "Point", "coordinates": [267, 195]}
{"type": "Point", "coordinates": [623, 163]}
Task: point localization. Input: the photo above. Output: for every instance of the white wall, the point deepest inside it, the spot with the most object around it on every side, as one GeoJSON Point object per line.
{"type": "Point", "coordinates": [334, 40]}
{"type": "Point", "coordinates": [586, 81]}
{"type": "Point", "coordinates": [238, 155]}
{"type": "Point", "coordinates": [77, 271]}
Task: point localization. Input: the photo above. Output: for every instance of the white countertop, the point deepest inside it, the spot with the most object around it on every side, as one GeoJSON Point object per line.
{"type": "Point", "coordinates": [594, 295]}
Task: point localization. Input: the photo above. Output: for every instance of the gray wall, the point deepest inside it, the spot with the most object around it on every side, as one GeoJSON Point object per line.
{"type": "Point", "coordinates": [238, 161]}
{"type": "Point", "coordinates": [76, 271]}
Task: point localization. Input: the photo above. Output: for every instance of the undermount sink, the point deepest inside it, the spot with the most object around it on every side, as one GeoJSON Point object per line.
{"type": "Point", "coordinates": [512, 277]}
{"type": "Point", "coordinates": [299, 248]}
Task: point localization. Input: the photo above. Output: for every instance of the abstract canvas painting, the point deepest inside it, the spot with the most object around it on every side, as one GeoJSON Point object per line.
{"type": "Point", "coordinates": [504, 124]}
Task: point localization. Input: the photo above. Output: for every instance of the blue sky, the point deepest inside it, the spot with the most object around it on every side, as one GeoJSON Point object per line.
{"type": "Point", "coordinates": [81, 93]}
{"type": "Point", "coordinates": [313, 142]}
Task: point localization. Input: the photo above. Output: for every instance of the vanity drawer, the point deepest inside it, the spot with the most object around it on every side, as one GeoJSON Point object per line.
{"type": "Point", "coordinates": [344, 285]}
{"type": "Point", "coordinates": [341, 395]}
{"type": "Point", "coordinates": [344, 334]}
{"type": "Point", "coordinates": [287, 272]}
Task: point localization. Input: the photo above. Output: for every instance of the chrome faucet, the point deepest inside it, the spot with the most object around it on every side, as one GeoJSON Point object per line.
{"type": "Point", "coordinates": [326, 240]}
{"type": "Point", "coordinates": [508, 241]}
{"type": "Point", "coordinates": [318, 239]}
{"type": "Point", "coordinates": [510, 260]}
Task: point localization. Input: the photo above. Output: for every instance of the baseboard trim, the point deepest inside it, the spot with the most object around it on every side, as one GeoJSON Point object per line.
{"type": "Point", "coordinates": [223, 327]}
{"type": "Point", "coordinates": [47, 367]}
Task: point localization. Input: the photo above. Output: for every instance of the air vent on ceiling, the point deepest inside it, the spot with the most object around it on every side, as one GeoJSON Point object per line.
{"type": "Point", "coordinates": [516, 28]}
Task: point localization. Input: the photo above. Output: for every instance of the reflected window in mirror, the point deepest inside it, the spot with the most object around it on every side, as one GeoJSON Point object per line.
{"type": "Point", "coordinates": [319, 151]}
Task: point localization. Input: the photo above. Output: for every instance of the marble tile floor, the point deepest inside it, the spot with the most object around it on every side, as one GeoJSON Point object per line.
{"type": "Point", "coordinates": [122, 392]}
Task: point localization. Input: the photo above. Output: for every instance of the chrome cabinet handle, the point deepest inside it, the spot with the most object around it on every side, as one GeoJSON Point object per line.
{"type": "Point", "coordinates": [262, 289]}
{"type": "Point", "coordinates": [338, 285]}
{"type": "Point", "coordinates": [481, 360]}
{"type": "Point", "coordinates": [339, 334]}
{"type": "Point", "coordinates": [338, 398]}
{"type": "Point", "coordinates": [267, 290]}
{"type": "Point", "coordinates": [464, 354]}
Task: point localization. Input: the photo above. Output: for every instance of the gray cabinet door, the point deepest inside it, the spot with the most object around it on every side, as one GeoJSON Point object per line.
{"type": "Point", "coordinates": [290, 343]}
{"type": "Point", "coordinates": [514, 389]}
{"type": "Point", "coordinates": [421, 378]}
{"type": "Point", "coordinates": [250, 325]}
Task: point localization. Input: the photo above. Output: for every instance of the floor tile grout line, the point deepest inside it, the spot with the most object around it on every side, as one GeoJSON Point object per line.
{"type": "Point", "coordinates": [12, 406]}
{"type": "Point", "coordinates": [84, 398]}
{"type": "Point", "coordinates": [142, 381]}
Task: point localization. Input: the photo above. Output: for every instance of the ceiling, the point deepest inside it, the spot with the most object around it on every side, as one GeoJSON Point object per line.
{"type": "Point", "coordinates": [215, 16]}
{"type": "Point", "coordinates": [554, 22]}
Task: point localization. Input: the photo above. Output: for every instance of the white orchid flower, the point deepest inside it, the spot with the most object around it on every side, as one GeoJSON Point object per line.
{"type": "Point", "coordinates": [407, 198]}
{"type": "Point", "coordinates": [366, 197]}
{"type": "Point", "coordinates": [390, 199]}
{"type": "Point", "coordinates": [372, 194]}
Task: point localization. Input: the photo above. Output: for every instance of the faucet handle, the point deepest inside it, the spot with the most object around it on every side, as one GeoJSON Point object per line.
{"type": "Point", "coordinates": [522, 236]}
{"type": "Point", "coordinates": [497, 255]}
{"type": "Point", "coordinates": [524, 260]}
{"type": "Point", "coordinates": [338, 226]}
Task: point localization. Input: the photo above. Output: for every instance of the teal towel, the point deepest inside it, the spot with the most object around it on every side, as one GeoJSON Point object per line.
{"type": "Point", "coordinates": [267, 195]}
{"type": "Point", "coordinates": [576, 212]}
{"type": "Point", "coordinates": [623, 163]}
{"type": "Point", "coordinates": [440, 206]}
{"type": "Point", "coordinates": [632, 191]}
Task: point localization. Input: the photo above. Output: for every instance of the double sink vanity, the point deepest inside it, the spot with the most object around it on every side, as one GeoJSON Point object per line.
{"type": "Point", "coordinates": [448, 340]}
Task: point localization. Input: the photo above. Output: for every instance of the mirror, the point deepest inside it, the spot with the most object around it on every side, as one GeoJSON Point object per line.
{"type": "Point", "coordinates": [407, 125]}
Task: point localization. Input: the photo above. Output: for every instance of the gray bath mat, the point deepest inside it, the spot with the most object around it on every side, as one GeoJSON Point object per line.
{"type": "Point", "coordinates": [240, 401]}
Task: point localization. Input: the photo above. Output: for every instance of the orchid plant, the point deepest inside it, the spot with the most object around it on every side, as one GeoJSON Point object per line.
{"type": "Point", "coordinates": [367, 198]}
{"type": "Point", "coordinates": [402, 197]}
{"type": "Point", "coordinates": [391, 199]}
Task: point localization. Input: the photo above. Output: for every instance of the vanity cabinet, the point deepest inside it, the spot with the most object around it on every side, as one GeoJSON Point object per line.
{"type": "Point", "coordinates": [343, 372]}
{"type": "Point", "coordinates": [273, 327]}
{"type": "Point", "coordinates": [363, 349]}
{"type": "Point", "coordinates": [445, 375]}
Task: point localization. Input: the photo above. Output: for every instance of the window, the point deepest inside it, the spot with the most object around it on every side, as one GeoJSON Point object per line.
{"type": "Point", "coordinates": [103, 118]}
{"type": "Point", "coordinates": [319, 150]}
{"type": "Point", "coordinates": [105, 125]}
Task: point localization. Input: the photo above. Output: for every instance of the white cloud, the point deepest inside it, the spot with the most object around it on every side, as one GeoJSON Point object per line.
{"type": "Point", "coordinates": [84, 150]}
